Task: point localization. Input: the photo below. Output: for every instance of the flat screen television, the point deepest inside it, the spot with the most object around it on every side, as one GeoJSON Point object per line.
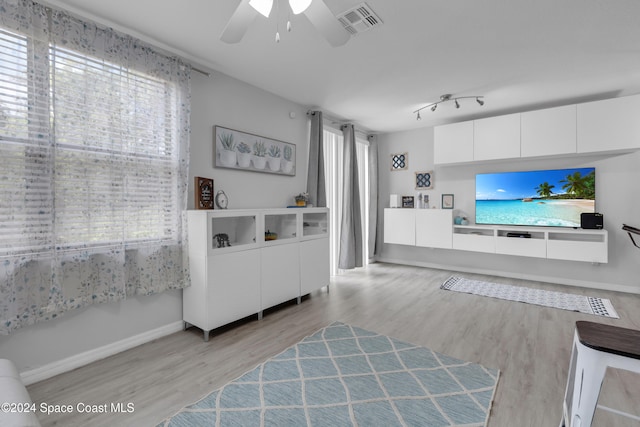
{"type": "Point", "coordinates": [550, 198]}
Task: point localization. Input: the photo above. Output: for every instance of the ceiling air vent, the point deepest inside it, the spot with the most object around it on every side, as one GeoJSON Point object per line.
{"type": "Point", "coordinates": [360, 18]}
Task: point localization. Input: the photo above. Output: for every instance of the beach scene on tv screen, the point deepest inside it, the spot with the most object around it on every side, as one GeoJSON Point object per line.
{"type": "Point", "coordinates": [552, 198]}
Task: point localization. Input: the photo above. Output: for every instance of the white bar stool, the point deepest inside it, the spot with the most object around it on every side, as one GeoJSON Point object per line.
{"type": "Point", "coordinates": [595, 348]}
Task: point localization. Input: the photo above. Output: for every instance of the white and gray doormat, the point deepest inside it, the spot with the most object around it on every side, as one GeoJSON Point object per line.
{"type": "Point", "coordinates": [580, 303]}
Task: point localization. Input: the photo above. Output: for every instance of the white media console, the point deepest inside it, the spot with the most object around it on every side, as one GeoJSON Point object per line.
{"type": "Point", "coordinates": [434, 228]}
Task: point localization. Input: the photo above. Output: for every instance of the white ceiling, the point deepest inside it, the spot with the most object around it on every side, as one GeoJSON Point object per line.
{"type": "Point", "coordinates": [519, 54]}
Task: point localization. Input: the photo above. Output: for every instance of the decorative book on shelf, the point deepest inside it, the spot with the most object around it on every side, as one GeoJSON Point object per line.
{"type": "Point", "coordinates": [204, 193]}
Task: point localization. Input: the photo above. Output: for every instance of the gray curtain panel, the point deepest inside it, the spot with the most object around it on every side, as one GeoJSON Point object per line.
{"type": "Point", "coordinates": [351, 230]}
{"type": "Point", "coordinates": [315, 171]}
{"type": "Point", "coordinates": [373, 194]}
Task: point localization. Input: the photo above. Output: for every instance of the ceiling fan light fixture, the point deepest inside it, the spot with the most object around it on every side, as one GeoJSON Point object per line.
{"type": "Point", "coordinates": [299, 6]}
{"type": "Point", "coordinates": [262, 6]}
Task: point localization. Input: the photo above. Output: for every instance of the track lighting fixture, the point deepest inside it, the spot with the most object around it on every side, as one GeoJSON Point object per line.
{"type": "Point", "coordinates": [445, 98]}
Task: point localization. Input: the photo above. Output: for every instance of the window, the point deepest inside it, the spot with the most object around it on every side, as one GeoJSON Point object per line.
{"type": "Point", "coordinates": [333, 165]}
{"type": "Point", "coordinates": [93, 165]}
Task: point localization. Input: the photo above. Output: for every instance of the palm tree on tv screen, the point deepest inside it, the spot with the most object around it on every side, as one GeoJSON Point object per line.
{"type": "Point", "coordinates": [581, 187]}
{"type": "Point", "coordinates": [544, 190]}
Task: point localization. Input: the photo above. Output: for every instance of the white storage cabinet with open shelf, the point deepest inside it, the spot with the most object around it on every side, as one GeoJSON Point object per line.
{"type": "Point", "coordinates": [245, 261]}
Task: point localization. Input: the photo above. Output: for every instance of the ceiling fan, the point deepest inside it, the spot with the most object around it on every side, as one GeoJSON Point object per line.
{"type": "Point", "coordinates": [315, 10]}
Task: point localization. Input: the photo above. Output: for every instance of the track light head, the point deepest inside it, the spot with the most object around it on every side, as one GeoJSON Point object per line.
{"type": "Point", "coordinates": [418, 117]}
{"type": "Point", "coordinates": [457, 103]}
{"type": "Point", "coordinates": [434, 107]}
{"type": "Point", "coordinates": [480, 101]}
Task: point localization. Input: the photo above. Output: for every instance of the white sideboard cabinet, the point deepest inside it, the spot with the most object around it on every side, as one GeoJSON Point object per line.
{"type": "Point", "coordinates": [434, 228]}
{"type": "Point", "coordinates": [400, 226]}
{"type": "Point", "coordinates": [418, 227]}
{"type": "Point", "coordinates": [247, 260]}
{"type": "Point", "coordinates": [566, 244]}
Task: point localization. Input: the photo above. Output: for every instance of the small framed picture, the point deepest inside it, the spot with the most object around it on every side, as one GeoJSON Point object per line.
{"type": "Point", "coordinates": [424, 180]}
{"type": "Point", "coordinates": [447, 201]}
{"type": "Point", "coordinates": [203, 192]}
{"type": "Point", "coordinates": [399, 161]}
{"type": "Point", "coordinates": [407, 201]}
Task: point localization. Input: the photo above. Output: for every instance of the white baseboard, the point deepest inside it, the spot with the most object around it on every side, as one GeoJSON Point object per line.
{"type": "Point", "coordinates": [65, 365]}
{"type": "Point", "coordinates": [533, 277]}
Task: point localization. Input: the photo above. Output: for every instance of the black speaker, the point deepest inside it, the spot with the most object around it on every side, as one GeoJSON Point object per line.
{"type": "Point", "coordinates": [592, 221]}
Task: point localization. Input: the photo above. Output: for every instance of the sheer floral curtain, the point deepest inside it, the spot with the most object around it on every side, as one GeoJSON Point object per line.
{"type": "Point", "coordinates": [94, 149]}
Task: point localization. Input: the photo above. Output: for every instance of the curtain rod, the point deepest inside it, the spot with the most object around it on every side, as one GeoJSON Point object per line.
{"type": "Point", "coordinates": [201, 72]}
{"type": "Point", "coordinates": [333, 122]}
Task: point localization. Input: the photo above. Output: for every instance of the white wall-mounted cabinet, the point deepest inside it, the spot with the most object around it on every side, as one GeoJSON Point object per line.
{"type": "Point", "coordinates": [244, 261]}
{"type": "Point", "coordinates": [534, 246]}
{"type": "Point", "coordinates": [609, 125]}
{"type": "Point", "coordinates": [496, 138]}
{"type": "Point", "coordinates": [453, 143]}
{"type": "Point", "coordinates": [561, 243]}
{"type": "Point", "coordinates": [400, 226]}
{"type": "Point", "coordinates": [549, 132]}
{"type": "Point", "coordinates": [418, 227]}
{"type": "Point", "coordinates": [474, 239]}
{"type": "Point", "coordinates": [433, 227]}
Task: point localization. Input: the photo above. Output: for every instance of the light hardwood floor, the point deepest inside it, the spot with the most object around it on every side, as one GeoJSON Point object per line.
{"type": "Point", "coordinates": [529, 344]}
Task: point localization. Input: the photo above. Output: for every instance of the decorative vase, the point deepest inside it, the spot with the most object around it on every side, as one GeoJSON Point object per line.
{"type": "Point", "coordinates": [274, 163]}
{"type": "Point", "coordinates": [287, 165]}
{"type": "Point", "coordinates": [301, 202]}
{"type": "Point", "coordinates": [259, 162]}
{"type": "Point", "coordinates": [228, 157]}
{"type": "Point", "coordinates": [244, 160]}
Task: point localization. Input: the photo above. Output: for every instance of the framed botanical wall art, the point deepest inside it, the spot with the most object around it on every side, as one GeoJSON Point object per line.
{"type": "Point", "coordinates": [399, 161]}
{"type": "Point", "coordinates": [241, 150]}
{"type": "Point", "coordinates": [424, 180]}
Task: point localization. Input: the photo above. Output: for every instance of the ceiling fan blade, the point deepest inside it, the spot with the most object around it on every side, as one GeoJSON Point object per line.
{"type": "Point", "coordinates": [326, 23]}
{"type": "Point", "coordinates": [239, 23]}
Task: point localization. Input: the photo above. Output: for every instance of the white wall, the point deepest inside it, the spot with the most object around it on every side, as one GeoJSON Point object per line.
{"type": "Point", "coordinates": [224, 101]}
{"type": "Point", "coordinates": [616, 199]}
{"type": "Point", "coordinates": [82, 335]}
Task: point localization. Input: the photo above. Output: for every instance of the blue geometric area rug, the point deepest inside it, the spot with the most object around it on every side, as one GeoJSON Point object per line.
{"type": "Point", "coordinates": [572, 302]}
{"type": "Point", "coordinates": [347, 376]}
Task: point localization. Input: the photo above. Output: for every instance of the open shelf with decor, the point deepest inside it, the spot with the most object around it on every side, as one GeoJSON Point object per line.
{"type": "Point", "coordinates": [280, 226]}
{"type": "Point", "coordinates": [474, 238]}
{"type": "Point", "coordinates": [315, 224]}
{"type": "Point", "coordinates": [231, 233]}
